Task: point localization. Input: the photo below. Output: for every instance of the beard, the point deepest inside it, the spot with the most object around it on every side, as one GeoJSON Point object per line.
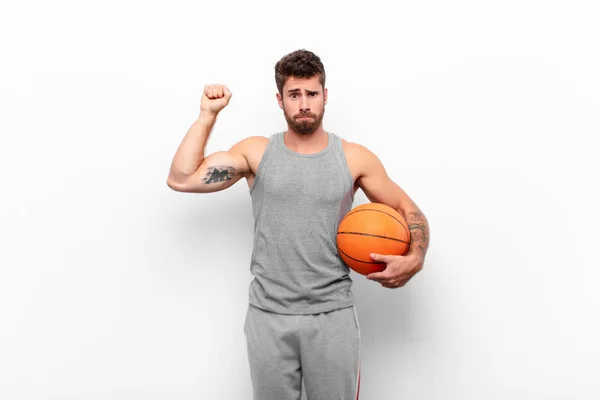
{"type": "Point", "coordinates": [304, 126]}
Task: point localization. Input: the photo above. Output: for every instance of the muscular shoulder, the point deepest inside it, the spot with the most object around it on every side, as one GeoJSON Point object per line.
{"type": "Point", "coordinates": [358, 156]}
{"type": "Point", "coordinates": [353, 149]}
{"type": "Point", "coordinates": [250, 145]}
{"type": "Point", "coordinates": [252, 148]}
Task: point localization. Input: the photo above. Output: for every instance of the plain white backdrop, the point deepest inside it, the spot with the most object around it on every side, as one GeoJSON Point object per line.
{"type": "Point", "coordinates": [113, 286]}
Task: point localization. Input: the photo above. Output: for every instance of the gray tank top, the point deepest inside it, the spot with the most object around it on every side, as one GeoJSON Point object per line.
{"type": "Point", "coordinates": [298, 201]}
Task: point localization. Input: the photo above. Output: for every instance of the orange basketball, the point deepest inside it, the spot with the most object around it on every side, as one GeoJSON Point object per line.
{"type": "Point", "coordinates": [371, 228]}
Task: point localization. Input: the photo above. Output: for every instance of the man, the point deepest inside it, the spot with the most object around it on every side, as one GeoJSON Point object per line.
{"type": "Point", "coordinates": [301, 322]}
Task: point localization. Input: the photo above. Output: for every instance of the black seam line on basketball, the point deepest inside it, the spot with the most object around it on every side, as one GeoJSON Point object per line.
{"type": "Point", "coordinates": [371, 209]}
{"type": "Point", "coordinates": [370, 234]}
{"type": "Point", "coordinates": [406, 250]}
{"type": "Point", "coordinates": [355, 259]}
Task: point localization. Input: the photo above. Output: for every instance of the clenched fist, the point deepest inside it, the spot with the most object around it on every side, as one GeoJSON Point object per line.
{"type": "Point", "coordinates": [215, 98]}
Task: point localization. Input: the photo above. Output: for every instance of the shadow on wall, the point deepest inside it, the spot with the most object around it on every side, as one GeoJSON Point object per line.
{"type": "Point", "coordinates": [217, 223]}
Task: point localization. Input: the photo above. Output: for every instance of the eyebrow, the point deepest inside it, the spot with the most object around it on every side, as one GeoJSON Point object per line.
{"type": "Point", "coordinates": [298, 90]}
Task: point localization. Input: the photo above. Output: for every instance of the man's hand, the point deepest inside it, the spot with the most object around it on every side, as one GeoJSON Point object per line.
{"type": "Point", "coordinates": [215, 98]}
{"type": "Point", "coordinates": [399, 270]}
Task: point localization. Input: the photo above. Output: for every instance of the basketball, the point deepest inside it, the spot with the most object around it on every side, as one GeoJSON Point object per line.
{"type": "Point", "coordinates": [371, 228]}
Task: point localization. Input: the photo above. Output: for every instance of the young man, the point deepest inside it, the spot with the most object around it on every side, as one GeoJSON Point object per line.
{"type": "Point", "coordinates": [301, 322]}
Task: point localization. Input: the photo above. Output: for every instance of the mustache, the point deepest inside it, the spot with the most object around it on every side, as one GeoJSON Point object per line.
{"type": "Point", "coordinates": [305, 115]}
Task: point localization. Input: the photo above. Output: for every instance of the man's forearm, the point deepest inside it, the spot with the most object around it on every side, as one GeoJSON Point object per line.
{"type": "Point", "coordinates": [419, 233]}
{"type": "Point", "coordinates": [190, 154]}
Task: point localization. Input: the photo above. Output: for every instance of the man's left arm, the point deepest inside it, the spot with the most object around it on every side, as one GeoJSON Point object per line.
{"type": "Point", "coordinates": [380, 188]}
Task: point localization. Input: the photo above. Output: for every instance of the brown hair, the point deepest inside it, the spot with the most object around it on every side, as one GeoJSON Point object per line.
{"type": "Point", "coordinates": [299, 64]}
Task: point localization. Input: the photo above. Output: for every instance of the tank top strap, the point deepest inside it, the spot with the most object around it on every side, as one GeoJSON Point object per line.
{"type": "Point", "coordinates": [274, 142]}
{"type": "Point", "coordinates": [338, 150]}
{"type": "Point", "coordinates": [336, 142]}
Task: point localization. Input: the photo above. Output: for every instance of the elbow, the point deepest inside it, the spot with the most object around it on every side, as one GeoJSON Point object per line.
{"type": "Point", "coordinates": [175, 184]}
{"type": "Point", "coordinates": [172, 185]}
{"type": "Point", "coordinates": [413, 213]}
{"type": "Point", "coordinates": [184, 186]}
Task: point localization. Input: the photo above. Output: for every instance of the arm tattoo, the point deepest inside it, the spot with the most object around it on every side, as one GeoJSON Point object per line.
{"type": "Point", "coordinates": [219, 174]}
{"type": "Point", "coordinates": [419, 231]}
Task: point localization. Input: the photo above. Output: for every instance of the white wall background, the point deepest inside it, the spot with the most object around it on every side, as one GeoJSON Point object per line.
{"type": "Point", "coordinates": [112, 286]}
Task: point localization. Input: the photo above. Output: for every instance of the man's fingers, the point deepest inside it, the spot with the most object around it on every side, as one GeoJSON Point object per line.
{"type": "Point", "coordinates": [208, 90]}
{"type": "Point", "coordinates": [394, 284]}
{"type": "Point", "coordinates": [378, 276]}
{"type": "Point", "coordinates": [216, 91]}
{"type": "Point", "coordinates": [385, 280]}
{"type": "Point", "coordinates": [379, 257]}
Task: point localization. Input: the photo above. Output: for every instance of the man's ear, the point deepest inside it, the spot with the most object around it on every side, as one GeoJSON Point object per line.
{"type": "Point", "coordinates": [325, 95]}
{"type": "Point", "coordinates": [279, 100]}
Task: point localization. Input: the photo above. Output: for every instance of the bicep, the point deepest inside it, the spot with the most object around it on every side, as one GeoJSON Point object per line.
{"type": "Point", "coordinates": [377, 185]}
{"type": "Point", "coordinates": [218, 171]}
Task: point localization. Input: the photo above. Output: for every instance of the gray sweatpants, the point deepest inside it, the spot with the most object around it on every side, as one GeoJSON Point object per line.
{"type": "Point", "coordinates": [323, 349]}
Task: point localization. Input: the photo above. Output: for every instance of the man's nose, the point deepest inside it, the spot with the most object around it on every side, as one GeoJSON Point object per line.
{"type": "Point", "coordinates": [304, 105]}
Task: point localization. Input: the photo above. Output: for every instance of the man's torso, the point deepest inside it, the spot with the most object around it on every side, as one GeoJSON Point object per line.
{"type": "Point", "coordinates": [298, 200]}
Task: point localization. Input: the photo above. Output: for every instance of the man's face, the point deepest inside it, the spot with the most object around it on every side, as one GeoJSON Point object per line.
{"type": "Point", "coordinates": [303, 104]}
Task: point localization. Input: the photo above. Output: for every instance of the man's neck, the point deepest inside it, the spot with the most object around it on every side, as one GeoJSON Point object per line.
{"type": "Point", "coordinates": [306, 143]}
